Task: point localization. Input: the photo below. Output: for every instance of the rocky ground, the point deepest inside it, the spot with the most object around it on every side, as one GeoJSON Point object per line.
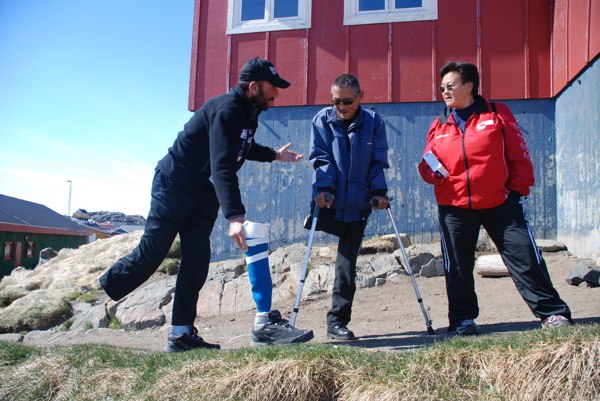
{"type": "Point", "coordinates": [385, 317]}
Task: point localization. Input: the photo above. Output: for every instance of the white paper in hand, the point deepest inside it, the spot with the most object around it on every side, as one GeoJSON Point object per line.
{"type": "Point", "coordinates": [435, 164]}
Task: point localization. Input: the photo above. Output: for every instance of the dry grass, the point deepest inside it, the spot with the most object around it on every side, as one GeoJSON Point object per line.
{"type": "Point", "coordinates": [562, 365]}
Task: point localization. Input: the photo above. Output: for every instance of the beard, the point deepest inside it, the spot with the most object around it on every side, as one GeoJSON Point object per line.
{"type": "Point", "coordinates": [260, 100]}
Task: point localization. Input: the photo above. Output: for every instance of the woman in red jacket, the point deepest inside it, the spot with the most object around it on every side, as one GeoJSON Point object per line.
{"type": "Point", "coordinates": [478, 161]}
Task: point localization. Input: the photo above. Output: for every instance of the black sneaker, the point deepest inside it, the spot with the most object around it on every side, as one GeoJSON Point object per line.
{"type": "Point", "coordinates": [279, 332]}
{"type": "Point", "coordinates": [340, 332]}
{"type": "Point", "coordinates": [467, 327]}
{"type": "Point", "coordinates": [188, 342]}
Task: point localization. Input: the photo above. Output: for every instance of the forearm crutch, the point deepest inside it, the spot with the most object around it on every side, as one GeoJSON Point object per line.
{"type": "Point", "coordinates": [408, 268]}
{"type": "Point", "coordinates": [304, 272]}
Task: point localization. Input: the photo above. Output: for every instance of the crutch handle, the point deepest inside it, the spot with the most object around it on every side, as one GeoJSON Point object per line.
{"type": "Point", "coordinates": [375, 202]}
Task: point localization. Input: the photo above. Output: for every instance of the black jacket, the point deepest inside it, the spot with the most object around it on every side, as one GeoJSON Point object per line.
{"type": "Point", "coordinates": [213, 146]}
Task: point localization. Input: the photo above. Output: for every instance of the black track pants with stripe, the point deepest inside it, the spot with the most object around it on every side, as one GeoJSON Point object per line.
{"type": "Point", "coordinates": [508, 229]}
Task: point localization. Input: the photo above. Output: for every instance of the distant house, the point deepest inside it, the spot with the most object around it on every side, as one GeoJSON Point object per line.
{"type": "Point", "coordinates": [98, 231]}
{"type": "Point", "coordinates": [125, 229]}
{"type": "Point", "coordinates": [81, 214]}
{"type": "Point", "coordinates": [26, 228]}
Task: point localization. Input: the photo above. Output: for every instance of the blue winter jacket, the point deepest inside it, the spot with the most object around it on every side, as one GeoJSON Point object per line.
{"type": "Point", "coordinates": [349, 162]}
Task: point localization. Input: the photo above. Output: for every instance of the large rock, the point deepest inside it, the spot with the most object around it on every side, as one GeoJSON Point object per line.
{"type": "Point", "coordinates": [46, 254]}
{"type": "Point", "coordinates": [491, 266]}
{"type": "Point", "coordinates": [89, 316]}
{"type": "Point", "coordinates": [584, 273]}
{"type": "Point", "coordinates": [143, 308]}
{"type": "Point", "coordinates": [117, 217]}
{"type": "Point", "coordinates": [419, 255]}
{"type": "Point", "coordinates": [384, 244]}
{"type": "Point", "coordinates": [550, 245]}
{"type": "Point", "coordinates": [434, 268]}
{"type": "Point", "coordinates": [237, 295]}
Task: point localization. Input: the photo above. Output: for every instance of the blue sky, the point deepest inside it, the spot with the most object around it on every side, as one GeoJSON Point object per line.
{"type": "Point", "coordinates": [94, 92]}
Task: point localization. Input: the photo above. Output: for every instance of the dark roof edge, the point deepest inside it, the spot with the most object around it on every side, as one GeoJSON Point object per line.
{"type": "Point", "coordinates": [18, 228]}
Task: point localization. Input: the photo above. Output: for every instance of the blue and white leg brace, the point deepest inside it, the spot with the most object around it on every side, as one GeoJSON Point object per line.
{"type": "Point", "coordinates": [257, 259]}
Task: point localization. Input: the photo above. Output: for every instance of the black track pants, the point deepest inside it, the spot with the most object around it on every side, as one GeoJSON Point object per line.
{"type": "Point", "coordinates": [508, 229]}
{"type": "Point", "coordinates": [344, 285]}
{"type": "Point", "coordinates": [175, 209]}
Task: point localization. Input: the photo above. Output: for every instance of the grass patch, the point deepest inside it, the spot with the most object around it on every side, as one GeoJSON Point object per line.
{"type": "Point", "coordinates": [89, 297]}
{"type": "Point", "coordinates": [538, 365]}
{"type": "Point", "coordinates": [115, 323]}
{"type": "Point", "coordinates": [169, 266]}
{"type": "Point", "coordinates": [66, 326]}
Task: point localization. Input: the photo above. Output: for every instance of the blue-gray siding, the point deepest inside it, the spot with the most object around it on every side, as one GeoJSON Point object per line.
{"type": "Point", "coordinates": [279, 193]}
{"type": "Point", "coordinates": [578, 163]}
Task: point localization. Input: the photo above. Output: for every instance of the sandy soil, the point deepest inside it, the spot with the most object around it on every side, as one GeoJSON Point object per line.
{"type": "Point", "coordinates": [387, 317]}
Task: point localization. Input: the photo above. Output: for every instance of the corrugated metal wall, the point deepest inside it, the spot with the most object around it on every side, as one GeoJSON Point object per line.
{"type": "Point", "coordinates": [279, 193]}
{"type": "Point", "coordinates": [578, 163]}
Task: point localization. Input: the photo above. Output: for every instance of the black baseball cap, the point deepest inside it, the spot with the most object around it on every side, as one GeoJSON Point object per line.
{"type": "Point", "coordinates": [259, 69]}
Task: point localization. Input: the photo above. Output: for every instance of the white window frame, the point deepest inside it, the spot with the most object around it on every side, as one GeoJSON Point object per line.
{"type": "Point", "coordinates": [354, 17]}
{"type": "Point", "coordinates": [235, 25]}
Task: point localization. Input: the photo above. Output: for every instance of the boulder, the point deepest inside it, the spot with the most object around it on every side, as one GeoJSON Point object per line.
{"type": "Point", "coordinates": [584, 273]}
{"type": "Point", "coordinates": [434, 268]}
{"type": "Point", "coordinates": [550, 245]}
{"type": "Point", "coordinates": [46, 254]}
{"type": "Point", "coordinates": [491, 266]}
{"type": "Point", "coordinates": [419, 255]}
{"type": "Point", "coordinates": [143, 308]}
{"type": "Point", "coordinates": [89, 316]}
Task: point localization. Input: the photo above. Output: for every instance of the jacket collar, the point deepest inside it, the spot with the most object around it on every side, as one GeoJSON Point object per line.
{"type": "Point", "coordinates": [481, 106]}
{"type": "Point", "coordinates": [251, 112]}
{"type": "Point", "coordinates": [332, 117]}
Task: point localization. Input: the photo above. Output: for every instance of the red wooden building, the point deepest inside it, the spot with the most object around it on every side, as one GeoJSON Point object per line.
{"type": "Point", "coordinates": [524, 48]}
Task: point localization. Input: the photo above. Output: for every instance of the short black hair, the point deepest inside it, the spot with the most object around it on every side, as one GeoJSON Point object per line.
{"type": "Point", "coordinates": [467, 71]}
{"type": "Point", "coordinates": [347, 81]}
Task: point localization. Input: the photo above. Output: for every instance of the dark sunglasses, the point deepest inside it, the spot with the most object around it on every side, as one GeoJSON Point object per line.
{"type": "Point", "coordinates": [448, 87]}
{"type": "Point", "coordinates": [345, 102]}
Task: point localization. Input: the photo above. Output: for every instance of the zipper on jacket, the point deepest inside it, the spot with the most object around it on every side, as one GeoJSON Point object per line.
{"type": "Point", "coordinates": [466, 167]}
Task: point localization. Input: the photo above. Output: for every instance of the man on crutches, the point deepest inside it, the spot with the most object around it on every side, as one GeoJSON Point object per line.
{"type": "Point", "coordinates": [348, 151]}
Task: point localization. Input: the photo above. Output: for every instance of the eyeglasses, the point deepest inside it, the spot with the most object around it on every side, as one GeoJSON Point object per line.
{"type": "Point", "coordinates": [345, 102]}
{"type": "Point", "coordinates": [448, 87]}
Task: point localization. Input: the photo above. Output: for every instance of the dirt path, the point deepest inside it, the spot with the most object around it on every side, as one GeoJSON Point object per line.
{"type": "Point", "coordinates": [384, 318]}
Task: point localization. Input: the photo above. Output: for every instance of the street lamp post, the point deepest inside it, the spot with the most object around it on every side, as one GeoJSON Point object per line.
{"type": "Point", "coordinates": [70, 190]}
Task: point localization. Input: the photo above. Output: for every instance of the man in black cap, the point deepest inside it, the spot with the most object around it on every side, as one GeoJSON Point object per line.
{"type": "Point", "coordinates": [199, 174]}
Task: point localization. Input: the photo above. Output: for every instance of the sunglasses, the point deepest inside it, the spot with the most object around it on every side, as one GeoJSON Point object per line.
{"type": "Point", "coordinates": [448, 87]}
{"type": "Point", "coordinates": [345, 102]}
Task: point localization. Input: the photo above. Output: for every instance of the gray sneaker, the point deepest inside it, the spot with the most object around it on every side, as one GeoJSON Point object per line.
{"type": "Point", "coordinates": [279, 332]}
{"type": "Point", "coordinates": [467, 327]}
{"type": "Point", "coordinates": [187, 342]}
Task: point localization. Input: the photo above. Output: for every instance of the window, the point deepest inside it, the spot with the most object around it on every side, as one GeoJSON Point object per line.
{"type": "Point", "coordinates": [30, 249]}
{"type": "Point", "coordinates": [245, 16]}
{"type": "Point", "coordinates": [9, 251]}
{"type": "Point", "coordinates": [357, 12]}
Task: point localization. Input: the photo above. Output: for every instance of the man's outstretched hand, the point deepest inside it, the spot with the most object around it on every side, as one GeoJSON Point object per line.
{"type": "Point", "coordinates": [284, 154]}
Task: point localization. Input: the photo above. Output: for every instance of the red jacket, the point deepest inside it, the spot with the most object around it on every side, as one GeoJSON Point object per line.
{"type": "Point", "coordinates": [486, 161]}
